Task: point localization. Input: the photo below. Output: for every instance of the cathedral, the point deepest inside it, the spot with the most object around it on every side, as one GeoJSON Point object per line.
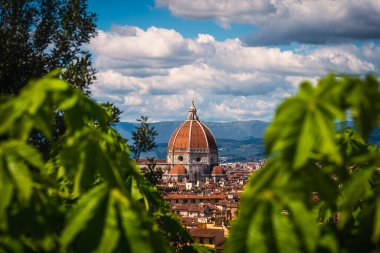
{"type": "Point", "coordinates": [192, 151]}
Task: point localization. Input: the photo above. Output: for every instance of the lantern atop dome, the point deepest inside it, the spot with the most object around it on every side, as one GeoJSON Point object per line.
{"type": "Point", "coordinates": [192, 112]}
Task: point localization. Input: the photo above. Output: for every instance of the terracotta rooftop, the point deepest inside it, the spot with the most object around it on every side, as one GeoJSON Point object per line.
{"type": "Point", "coordinates": [218, 170]}
{"type": "Point", "coordinates": [193, 196]}
{"type": "Point", "coordinates": [189, 208]}
{"type": "Point", "coordinates": [205, 232]}
{"type": "Point", "coordinates": [189, 221]}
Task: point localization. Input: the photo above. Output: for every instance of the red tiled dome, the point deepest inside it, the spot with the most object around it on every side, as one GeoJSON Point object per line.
{"type": "Point", "coordinates": [218, 170]}
{"type": "Point", "coordinates": [178, 170]}
{"type": "Point", "coordinates": [192, 134]}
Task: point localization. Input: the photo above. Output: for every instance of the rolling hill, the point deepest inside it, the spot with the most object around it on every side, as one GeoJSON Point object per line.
{"type": "Point", "coordinates": [237, 141]}
{"type": "Point", "coordinates": [237, 130]}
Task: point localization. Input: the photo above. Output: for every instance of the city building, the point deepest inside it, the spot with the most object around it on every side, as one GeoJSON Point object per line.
{"type": "Point", "coordinates": [213, 238]}
{"type": "Point", "coordinates": [202, 193]}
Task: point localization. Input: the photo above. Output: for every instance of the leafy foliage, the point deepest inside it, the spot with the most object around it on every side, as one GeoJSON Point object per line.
{"type": "Point", "coordinates": [37, 37]}
{"type": "Point", "coordinates": [114, 110]}
{"type": "Point", "coordinates": [319, 192]}
{"type": "Point", "coordinates": [151, 172]}
{"type": "Point", "coordinates": [89, 195]}
{"type": "Point", "coordinates": [143, 137]}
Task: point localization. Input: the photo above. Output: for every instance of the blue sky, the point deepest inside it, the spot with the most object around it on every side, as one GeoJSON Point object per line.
{"type": "Point", "coordinates": [237, 58]}
{"type": "Point", "coordinates": [144, 14]}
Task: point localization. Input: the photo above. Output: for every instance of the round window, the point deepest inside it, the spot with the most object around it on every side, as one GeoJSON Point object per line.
{"type": "Point", "coordinates": [180, 158]}
{"type": "Point", "coordinates": [198, 159]}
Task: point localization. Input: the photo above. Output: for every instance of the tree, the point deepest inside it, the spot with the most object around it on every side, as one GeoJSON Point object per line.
{"type": "Point", "coordinates": [88, 195]}
{"type": "Point", "coordinates": [319, 191]}
{"type": "Point", "coordinates": [114, 111]}
{"type": "Point", "coordinates": [152, 173]}
{"type": "Point", "coordinates": [143, 138]}
{"type": "Point", "coordinates": [37, 37]}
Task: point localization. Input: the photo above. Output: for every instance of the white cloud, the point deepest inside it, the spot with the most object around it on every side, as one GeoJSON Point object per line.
{"type": "Point", "coordinates": [127, 47]}
{"type": "Point", "coordinates": [133, 101]}
{"type": "Point", "coordinates": [205, 38]}
{"type": "Point", "coordinates": [241, 108]}
{"type": "Point", "coordinates": [227, 79]}
{"type": "Point", "coordinates": [285, 21]}
{"type": "Point", "coordinates": [224, 11]}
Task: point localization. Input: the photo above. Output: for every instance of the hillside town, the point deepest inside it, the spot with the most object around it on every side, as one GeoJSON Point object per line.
{"type": "Point", "coordinates": [202, 192]}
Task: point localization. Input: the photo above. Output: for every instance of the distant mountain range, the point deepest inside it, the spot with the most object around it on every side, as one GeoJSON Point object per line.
{"type": "Point", "coordinates": [237, 141]}
{"type": "Point", "coordinates": [237, 130]}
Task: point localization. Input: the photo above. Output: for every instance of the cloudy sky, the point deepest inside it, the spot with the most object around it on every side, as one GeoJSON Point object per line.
{"type": "Point", "coordinates": [236, 58]}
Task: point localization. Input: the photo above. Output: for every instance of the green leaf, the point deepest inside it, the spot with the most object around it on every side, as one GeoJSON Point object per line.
{"type": "Point", "coordinates": [44, 123]}
{"type": "Point", "coordinates": [6, 189]}
{"type": "Point", "coordinates": [68, 103]}
{"type": "Point", "coordinates": [10, 245]}
{"type": "Point", "coordinates": [82, 213]}
{"type": "Point", "coordinates": [54, 84]}
{"type": "Point", "coordinates": [27, 153]}
{"type": "Point", "coordinates": [87, 153]}
{"type": "Point", "coordinates": [357, 188]}
{"type": "Point", "coordinates": [20, 175]}
{"type": "Point", "coordinates": [8, 115]}
{"type": "Point", "coordinates": [305, 143]}
{"type": "Point", "coordinates": [110, 232]}
{"type": "Point", "coordinates": [329, 242]}
{"type": "Point", "coordinates": [36, 99]}
{"type": "Point", "coordinates": [305, 227]}
{"type": "Point", "coordinates": [376, 225]}
{"type": "Point", "coordinates": [140, 233]}
{"type": "Point", "coordinates": [327, 144]}
{"type": "Point", "coordinates": [286, 237]}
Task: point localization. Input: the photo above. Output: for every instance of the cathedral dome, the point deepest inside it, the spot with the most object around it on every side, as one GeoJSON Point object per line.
{"type": "Point", "coordinates": [192, 134]}
{"type": "Point", "coordinates": [193, 147]}
{"type": "Point", "coordinates": [178, 170]}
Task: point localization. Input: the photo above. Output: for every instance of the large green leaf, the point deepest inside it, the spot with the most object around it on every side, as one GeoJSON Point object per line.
{"type": "Point", "coordinates": [86, 154]}
{"type": "Point", "coordinates": [21, 177]}
{"type": "Point", "coordinates": [112, 222]}
{"type": "Point", "coordinates": [357, 188]}
{"type": "Point", "coordinates": [141, 234]}
{"type": "Point", "coordinates": [6, 189]}
{"type": "Point", "coordinates": [306, 230]}
{"type": "Point", "coordinates": [82, 213]}
{"type": "Point", "coordinates": [110, 232]}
